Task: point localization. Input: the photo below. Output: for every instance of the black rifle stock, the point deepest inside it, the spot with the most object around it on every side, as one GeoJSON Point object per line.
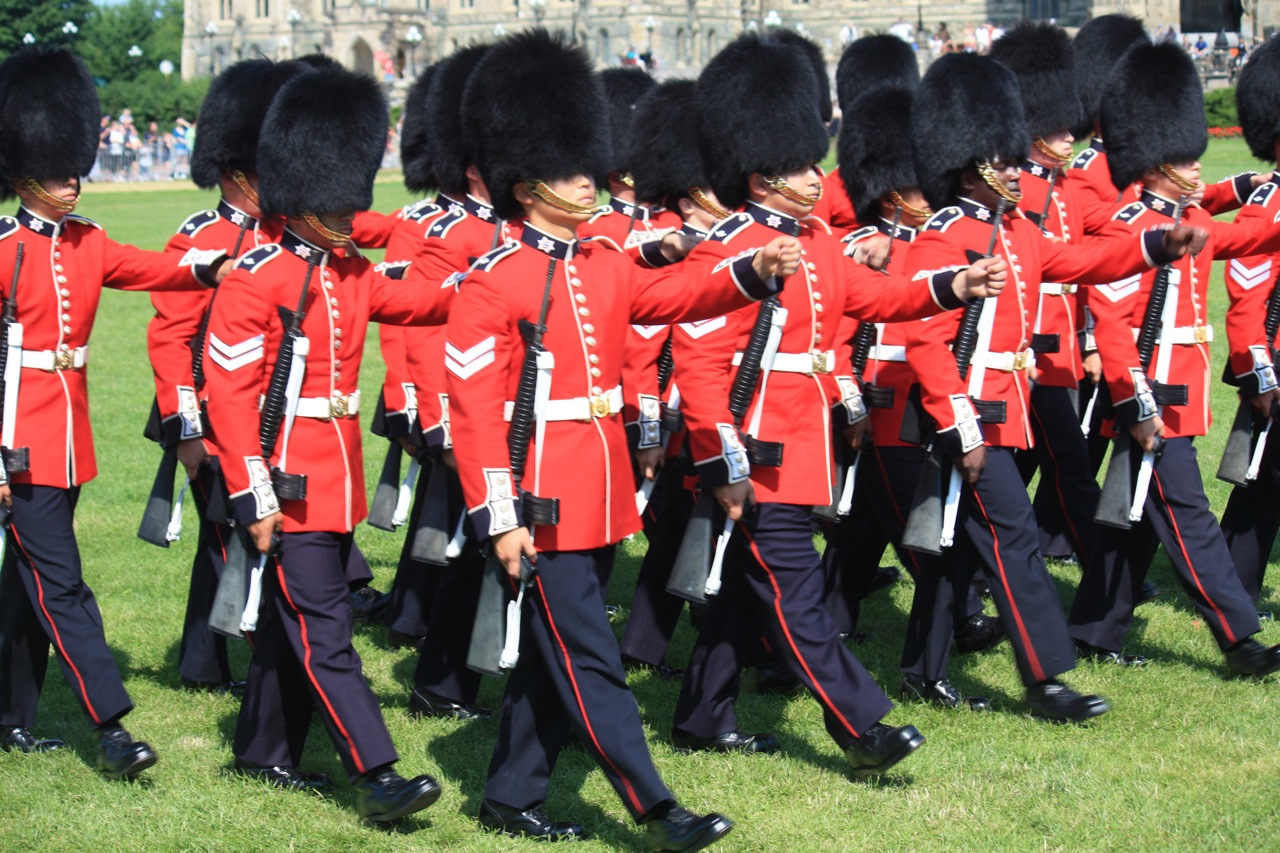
{"type": "Point", "coordinates": [1238, 452]}
{"type": "Point", "coordinates": [274, 403]}
{"type": "Point", "coordinates": [387, 492]}
{"type": "Point", "coordinates": [15, 459]}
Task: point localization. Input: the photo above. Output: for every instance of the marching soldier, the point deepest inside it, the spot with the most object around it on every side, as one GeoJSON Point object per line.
{"type": "Point", "coordinates": [56, 265]}
{"type": "Point", "coordinates": [1156, 363]}
{"type": "Point", "coordinates": [289, 331]}
{"type": "Point", "coordinates": [559, 504]}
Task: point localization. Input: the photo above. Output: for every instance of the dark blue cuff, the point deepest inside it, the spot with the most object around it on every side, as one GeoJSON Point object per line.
{"type": "Point", "coordinates": [940, 283]}
{"type": "Point", "coordinates": [1153, 248]}
{"type": "Point", "coordinates": [1242, 186]}
{"type": "Point", "coordinates": [651, 254]}
{"type": "Point", "coordinates": [754, 287]}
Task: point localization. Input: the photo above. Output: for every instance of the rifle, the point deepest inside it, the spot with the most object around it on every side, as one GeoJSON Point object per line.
{"type": "Point", "coordinates": [15, 460]}
{"type": "Point", "coordinates": [493, 647]}
{"type": "Point", "coordinates": [1233, 468]}
{"type": "Point", "coordinates": [386, 495]}
{"type": "Point", "coordinates": [280, 403]}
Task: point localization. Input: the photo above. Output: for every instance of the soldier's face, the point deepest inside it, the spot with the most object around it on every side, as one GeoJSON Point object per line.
{"type": "Point", "coordinates": [1059, 143]}
{"type": "Point", "coordinates": [65, 189]}
{"type": "Point", "coordinates": [805, 183]}
{"type": "Point", "coordinates": [546, 216]}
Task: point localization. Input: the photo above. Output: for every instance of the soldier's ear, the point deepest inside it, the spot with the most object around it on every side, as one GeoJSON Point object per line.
{"type": "Point", "coordinates": [756, 187]}
{"type": "Point", "coordinates": [523, 195]}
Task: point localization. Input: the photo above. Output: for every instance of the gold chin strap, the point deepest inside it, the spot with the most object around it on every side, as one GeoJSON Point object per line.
{"type": "Point", "coordinates": [991, 179]}
{"type": "Point", "coordinates": [1176, 176]}
{"type": "Point", "coordinates": [44, 195]}
{"type": "Point", "coordinates": [917, 212]}
{"type": "Point", "coordinates": [329, 234]}
{"type": "Point", "coordinates": [245, 187]}
{"type": "Point", "coordinates": [790, 193]}
{"type": "Point", "coordinates": [698, 197]}
{"type": "Point", "coordinates": [551, 197]}
{"type": "Point", "coordinates": [1043, 148]}
{"type": "Point", "coordinates": [626, 178]}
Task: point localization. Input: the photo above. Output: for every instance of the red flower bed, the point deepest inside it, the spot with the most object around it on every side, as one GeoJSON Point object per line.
{"type": "Point", "coordinates": [1225, 132]}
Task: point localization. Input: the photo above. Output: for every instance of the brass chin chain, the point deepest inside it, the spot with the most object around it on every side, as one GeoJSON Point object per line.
{"type": "Point", "coordinates": [329, 234]}
{"type": "Point", "coordinates": [625, 178]}
{"type": "Point", "coordinates": [551, 197]}
{"type": "Point", "coordinates": [53, 201]}
{"type": "Point", "coordinates": [245, 187]}
{"type": "Point", "coordinates": [790, 193]}
{"type": "Point", "coordinates": [1177, 177]}
{"type": "Point", "coordinates": [991, 179]}
{"type": "Point", "coordinates": [698, 197]}
{"type": "Point", "coordinates": [1043, 148]}
{"type": "Point", "coordinates": [917, 212]}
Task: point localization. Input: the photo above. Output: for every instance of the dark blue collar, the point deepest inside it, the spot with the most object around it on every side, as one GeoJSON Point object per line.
{"type": "Point", "coordinates": [1096, 145]}
{"type": "Point", "coordinates": [545, 243]}
{"type": "Point", "coordinates": [902, 232]}
{"type": "Point", "coordinates": [973, 210]}
{"type": "Point", "coordinates": [773, 219]}
{"type": "Point", "coordinates": [235, 215]}
{"type": "Point", "coordinates": [693, 231]}
{"type": "Point", "coordinates": [469, 205]}
{"type": "Point", "coordinates": [1036, 170]}
{"type": "Point", "coordinates": [307, 251]}
{"type": "Point", "coordinates": [638, 211]}
{"type": "Point", "coordinates": [37, 224]}
{"type": "Point", "coordinates": [1159, 203]}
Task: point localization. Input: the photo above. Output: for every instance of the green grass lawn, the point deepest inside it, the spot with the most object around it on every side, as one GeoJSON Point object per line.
{"type": "Point", "coordinates": [1184, 761]}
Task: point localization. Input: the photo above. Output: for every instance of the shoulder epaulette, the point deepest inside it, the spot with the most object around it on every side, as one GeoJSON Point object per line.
{"type": "Point", "coordinates": [197, 222]}
{"type": "Point", "coordinates": [420, 210]}
{"type": "Point", "coordinates": [1261, 196]}
{"type": "Point", "coordinates": [258, 258]}
{"type": "Point", "coordinates": [444, 224]}
{"type": "Point", "coordinates": [487, 261]}
{"type": "Point", "coordinates": [1084, 158]}
{"type": "Point", "coordinates": [83, 220]}
{"type": "Point", "coordinates": [7, 226]}
{"type": "Point", "coordinates": [726, 229]}
{"type": "Point", "coordinates": [1129, 212]}
{"type": "Point", "coordinates": [943, 219]}
{"type": "Point", "coordinates": [860, 234]}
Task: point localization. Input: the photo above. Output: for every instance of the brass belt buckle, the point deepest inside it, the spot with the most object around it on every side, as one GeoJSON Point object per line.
{"type": "Point", "coordinates": [338, 406]}
{"type": "Point", "coordinates": [818, 362]}
{"type": "Point", "coordinates": [1068, 289]}
{"type": "Point", "coordinates": [1202, 334]}
{"type": "Point", "coordinates": [599, 406]}
{"type": "Point", "coordinates": [1021, 360]}
{"type": "Point", "coordinates": [63, 360]}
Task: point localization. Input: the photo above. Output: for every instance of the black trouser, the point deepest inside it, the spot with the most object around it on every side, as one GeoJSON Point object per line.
{"type": "Point", "coordinates": [1252, 517]}
{"type": "Point", "coordinates": [570, 675]}
{"type": "Point", "coordinates": [854, 545]}
{"type": "Point", "coordinates": [1176, 515]}
{"type": "Point", "coordinates": [44, 600]}
{"type": "Point", "coordinates": [303, 659]}
{"type": "Point", "coordinates": [654, 611]}
{"type": "Point", "coordinates": [202, 656]}
{"type": "Point", "coordinates": [773, 579]}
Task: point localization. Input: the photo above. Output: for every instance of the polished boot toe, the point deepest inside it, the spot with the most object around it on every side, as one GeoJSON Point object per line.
{"type": "Point", "coordinates": [1148, 592]}
{"type": "Point", "coordinates": [727, 742]}
{"type": "Point", "coordinates": [21, 739]}
{"type": "Point", "coordinates": [1085, 651]}
{"type": "Point", "coordinates": [942, 693]}
{"type": "Point", "coordinates": [384, 795]}
{"type": "Point", "coordinates": [1251, 659]}
{"type": "Point", "coordinates": [122, 757]}
{"type": "Point", "coordinates": [775, 679]}
{"type": "Point", "coordinates": [681, 830]}
{"type": "Point", "coordinates": [881, 747]}
{"type": "Point", "coordinates": [663, 670]}
{"type": "Point", "coordinates": [286, 777]}
{"type": "Point", "coordinates": [978, 633]}
{"type": "Point", "coordinates": [1054, 700]}
{"type": "Point", "coordinates": [530, 823]}
{"type": "Point", "coordinates": [424, 703]}
{"type": "Point", "coordinates": [368, 604]}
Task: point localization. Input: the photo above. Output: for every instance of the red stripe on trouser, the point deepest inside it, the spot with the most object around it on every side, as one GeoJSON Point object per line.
{"type": "Point", "coordinates": [582, 707]}
{"type": "Point", "coordinates": [57, 636]}
{"type": "Point", "coordinates": [1081, 549]}
{"type": "Point", "coordinates": [1195, 576]}
{"type": "Point", "coordinates": [786, 632]}
{"type": "Point", "coordinates": [306, 664]}
{"type": "Point", "coordinates": [897, 512]}
{"type": "Point", "coordinates": [1033, 660]}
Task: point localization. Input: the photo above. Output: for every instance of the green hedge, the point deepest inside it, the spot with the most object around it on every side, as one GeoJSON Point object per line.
{"type": "Point", "coordinates": [1220, 107]}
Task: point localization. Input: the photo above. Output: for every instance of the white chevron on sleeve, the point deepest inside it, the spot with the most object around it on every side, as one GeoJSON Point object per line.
{"type": "Point", "coordinates": [1122, 289]}
{"type": "Point", "coordinates": [702, 328]}
{"type": "Point", "coordinates": [647, 332]}
{"type": "Point", "coordinates": [1249, 277]}
{"type": "Point", "coordinates": [235, 356]}
{"type": "Point", "coordinates": [466, 363]}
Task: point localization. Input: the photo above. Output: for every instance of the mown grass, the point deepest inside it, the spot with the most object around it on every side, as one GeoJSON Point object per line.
{"type": "Point", "coordinates": [1185, 760]}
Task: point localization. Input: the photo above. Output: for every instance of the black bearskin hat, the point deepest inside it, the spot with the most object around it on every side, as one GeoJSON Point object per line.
{"type": "Point", "coordinates": [1040, 55]}
{"type": "Point", "coordinates": [319, 61]}
{"type": "Point", "coordinates": [757, 107]}
{"type": "Point", "coordinates": [49, 115]}
{"type": "Point", "coordinates": [1152, 112]}
{"type": "Point", "coordinates": [667, 162]}
{"type": "Point", "coordinates": [967, 110]}
{"type": "Point", "coordinates": [624, 88]}
{"type": "Point", "coordinates": [322, 144]}
{"type": "Point", "coordinates": [873, 61]}
{"type": "Point", "coordinates": [817, 60]}
{"type": "Point", "coordinates": [1258, 100]}
{"type": "Point", "coordinates": [1098, 46]}
{"type": "Point", "coordinates": [451, 148]}
{"type": "Point", "coordinates": [538, 111]}
{"type": "Point", "coordinates": [873, 156]}
{"type": "Point", "coordinates": [231, 118]}
{"type": "Point", "coordinates": [415, 136]}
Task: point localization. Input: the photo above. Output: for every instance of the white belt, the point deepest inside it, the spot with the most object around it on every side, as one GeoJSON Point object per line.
{"type": "Point", "coordinates": [808, 363]}
{"type": "Point", "coordinates": [51, 360]}
{"type": "Point", "coordinates": [1010, 362]}
{"type": "Point", "coordinates": [1048, 289]}
{"type": "Point", "coordinates": [888, 352]}
{"type": "Point", "coordinates": [1182, 335]}
{"type": "Point", "coordinates": [578, 408]}
{"type": "Point", "coordinates": [327, 408]}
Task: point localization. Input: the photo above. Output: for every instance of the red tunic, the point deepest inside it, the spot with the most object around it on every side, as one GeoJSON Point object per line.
{"type": "Point", "coordinates": [1250, 282]}
{"type": "Point", "coordinates": [1091, 170]}
{"type": "Point", "coordinates": [835, 208]}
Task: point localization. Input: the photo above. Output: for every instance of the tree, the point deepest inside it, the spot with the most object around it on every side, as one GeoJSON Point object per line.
{"type": "Point", "coordinates": [154, 26]}
{"type": "Point", "coordinates": [43, 19]}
